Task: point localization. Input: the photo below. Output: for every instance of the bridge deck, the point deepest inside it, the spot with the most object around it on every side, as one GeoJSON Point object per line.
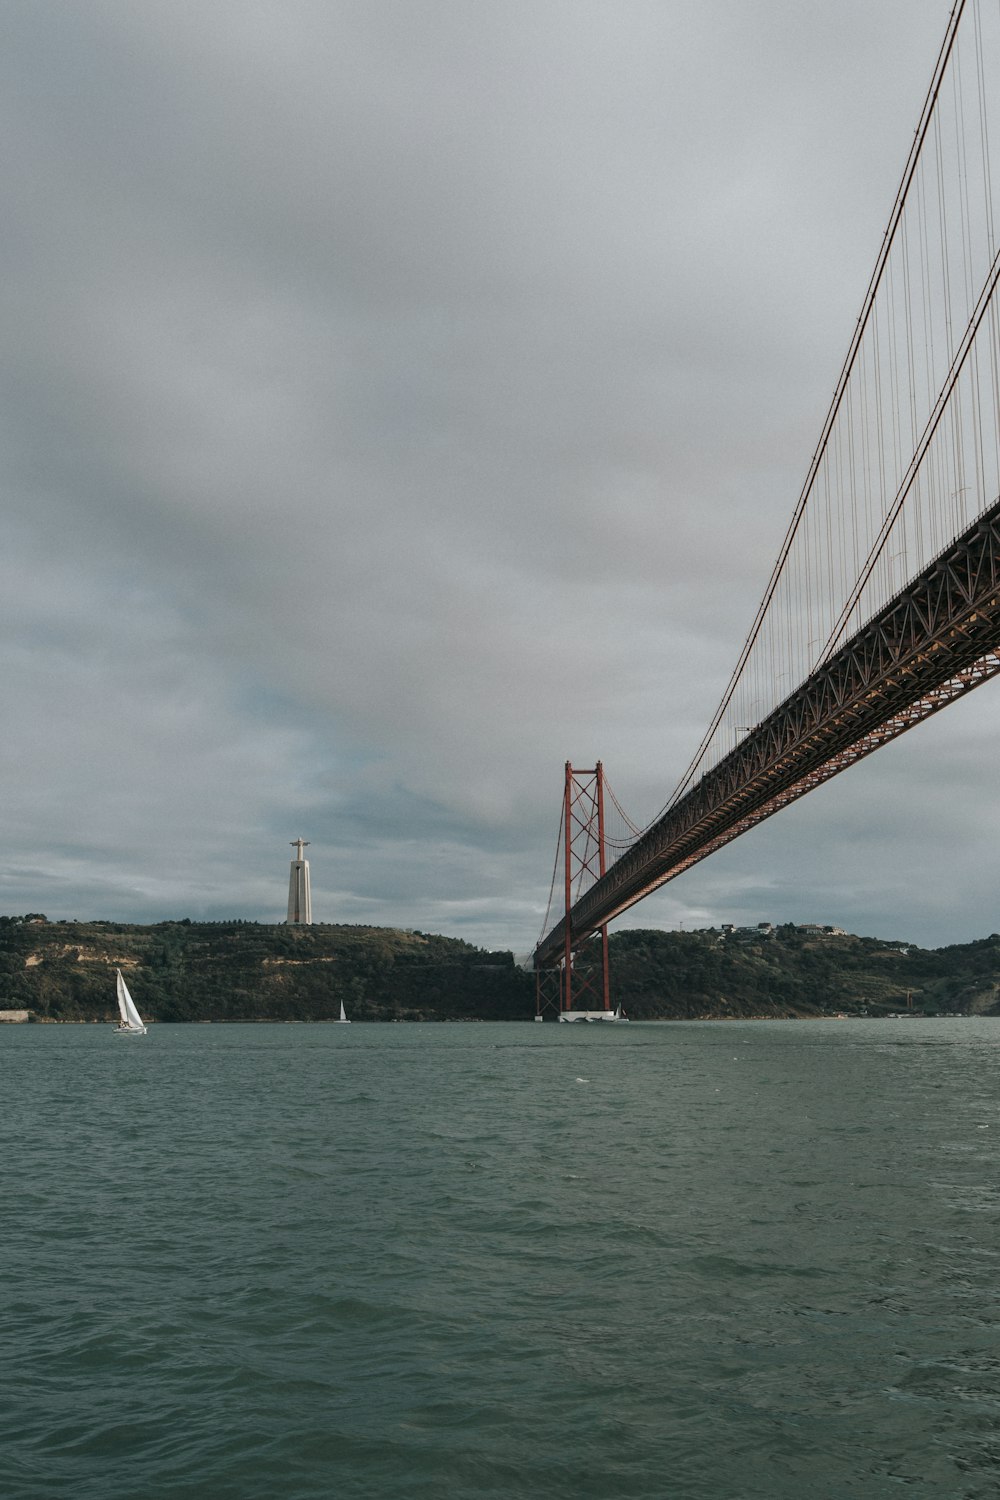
{"type": "Point", "coordinates": [936, 640]}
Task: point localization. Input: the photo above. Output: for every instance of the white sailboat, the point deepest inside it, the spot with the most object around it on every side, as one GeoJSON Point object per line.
{"type": "Point", "coordinates": [131, 1022]}
{"type": "Point", "coordinates": [342, 1018]}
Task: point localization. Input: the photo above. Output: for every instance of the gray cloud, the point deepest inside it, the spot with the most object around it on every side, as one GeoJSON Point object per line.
{"type": "Point", "coordinates": [401, 399]}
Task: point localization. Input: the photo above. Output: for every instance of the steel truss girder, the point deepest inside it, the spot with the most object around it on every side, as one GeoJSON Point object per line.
{"type": "Point", "coordinates": [934, 642]}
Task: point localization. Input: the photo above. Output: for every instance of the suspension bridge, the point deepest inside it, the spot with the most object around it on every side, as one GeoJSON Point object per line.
{"type": "Point", "coordinates": [884, 603]}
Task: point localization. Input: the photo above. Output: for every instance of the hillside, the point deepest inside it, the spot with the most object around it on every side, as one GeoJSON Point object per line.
{"type": "Point", "coordinates": [245, 971]}
{"type": "Point", "coordinates": [803, 971]}
{"type": "Point", "coordinates": [239, 971]}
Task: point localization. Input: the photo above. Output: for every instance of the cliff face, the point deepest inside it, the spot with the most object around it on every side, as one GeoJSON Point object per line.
{"type": "Point", "coordinates": [239, 971]}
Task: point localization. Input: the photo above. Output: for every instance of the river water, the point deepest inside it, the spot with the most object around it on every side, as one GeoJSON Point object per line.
{"type": "Point", "coordinates": [720, 1260]}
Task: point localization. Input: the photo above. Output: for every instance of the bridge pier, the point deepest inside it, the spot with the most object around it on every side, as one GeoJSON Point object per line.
{"type": "Point", "coordinates": [580, 986]}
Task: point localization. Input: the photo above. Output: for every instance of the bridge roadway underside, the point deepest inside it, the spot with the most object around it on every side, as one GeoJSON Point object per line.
{"type": "Point", "coordinates": [935, 641]}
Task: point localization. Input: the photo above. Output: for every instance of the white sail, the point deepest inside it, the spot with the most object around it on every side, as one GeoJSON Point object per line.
{"type": "Point", "coordinates": [131, 1020]}
{"type": "Point", "coordinates": [342, 1019]}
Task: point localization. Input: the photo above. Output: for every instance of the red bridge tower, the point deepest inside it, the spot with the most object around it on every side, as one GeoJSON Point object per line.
{"type": "Point", "coordinates": [578, 988]}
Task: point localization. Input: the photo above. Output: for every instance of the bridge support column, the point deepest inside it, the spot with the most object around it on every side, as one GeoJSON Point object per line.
{"type": "Point", "coordinates": [585, 976]}
{"type": "Point", "coordinates": [580, 984]}
{"type": "Point", "coordinates": [548, 994]}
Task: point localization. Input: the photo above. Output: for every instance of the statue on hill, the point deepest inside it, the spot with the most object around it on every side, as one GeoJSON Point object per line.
{"type": "Point", "coordinates": [299, 897]}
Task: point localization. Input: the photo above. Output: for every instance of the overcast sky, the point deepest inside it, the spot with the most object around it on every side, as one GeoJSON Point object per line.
{"type": "Point", "coordinates": [402, 397]}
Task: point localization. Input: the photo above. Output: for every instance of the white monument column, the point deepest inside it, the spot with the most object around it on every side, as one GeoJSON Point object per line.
{"type": "Point", "coordinates": [299, 899]}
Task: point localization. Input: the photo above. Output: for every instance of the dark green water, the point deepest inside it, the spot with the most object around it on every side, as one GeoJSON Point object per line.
{"type": "Point", "coordinates": [723, 1261]}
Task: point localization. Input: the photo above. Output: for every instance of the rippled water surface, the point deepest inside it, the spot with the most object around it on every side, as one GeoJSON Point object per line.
{"type": "Point", "coordinates": [691, 1260]}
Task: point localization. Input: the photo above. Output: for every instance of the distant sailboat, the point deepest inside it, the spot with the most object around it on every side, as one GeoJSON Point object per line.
{"type": "Point", "coordinates": [342, 1018]}
{"type": "Point", "coordinates": [131, 1022]}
